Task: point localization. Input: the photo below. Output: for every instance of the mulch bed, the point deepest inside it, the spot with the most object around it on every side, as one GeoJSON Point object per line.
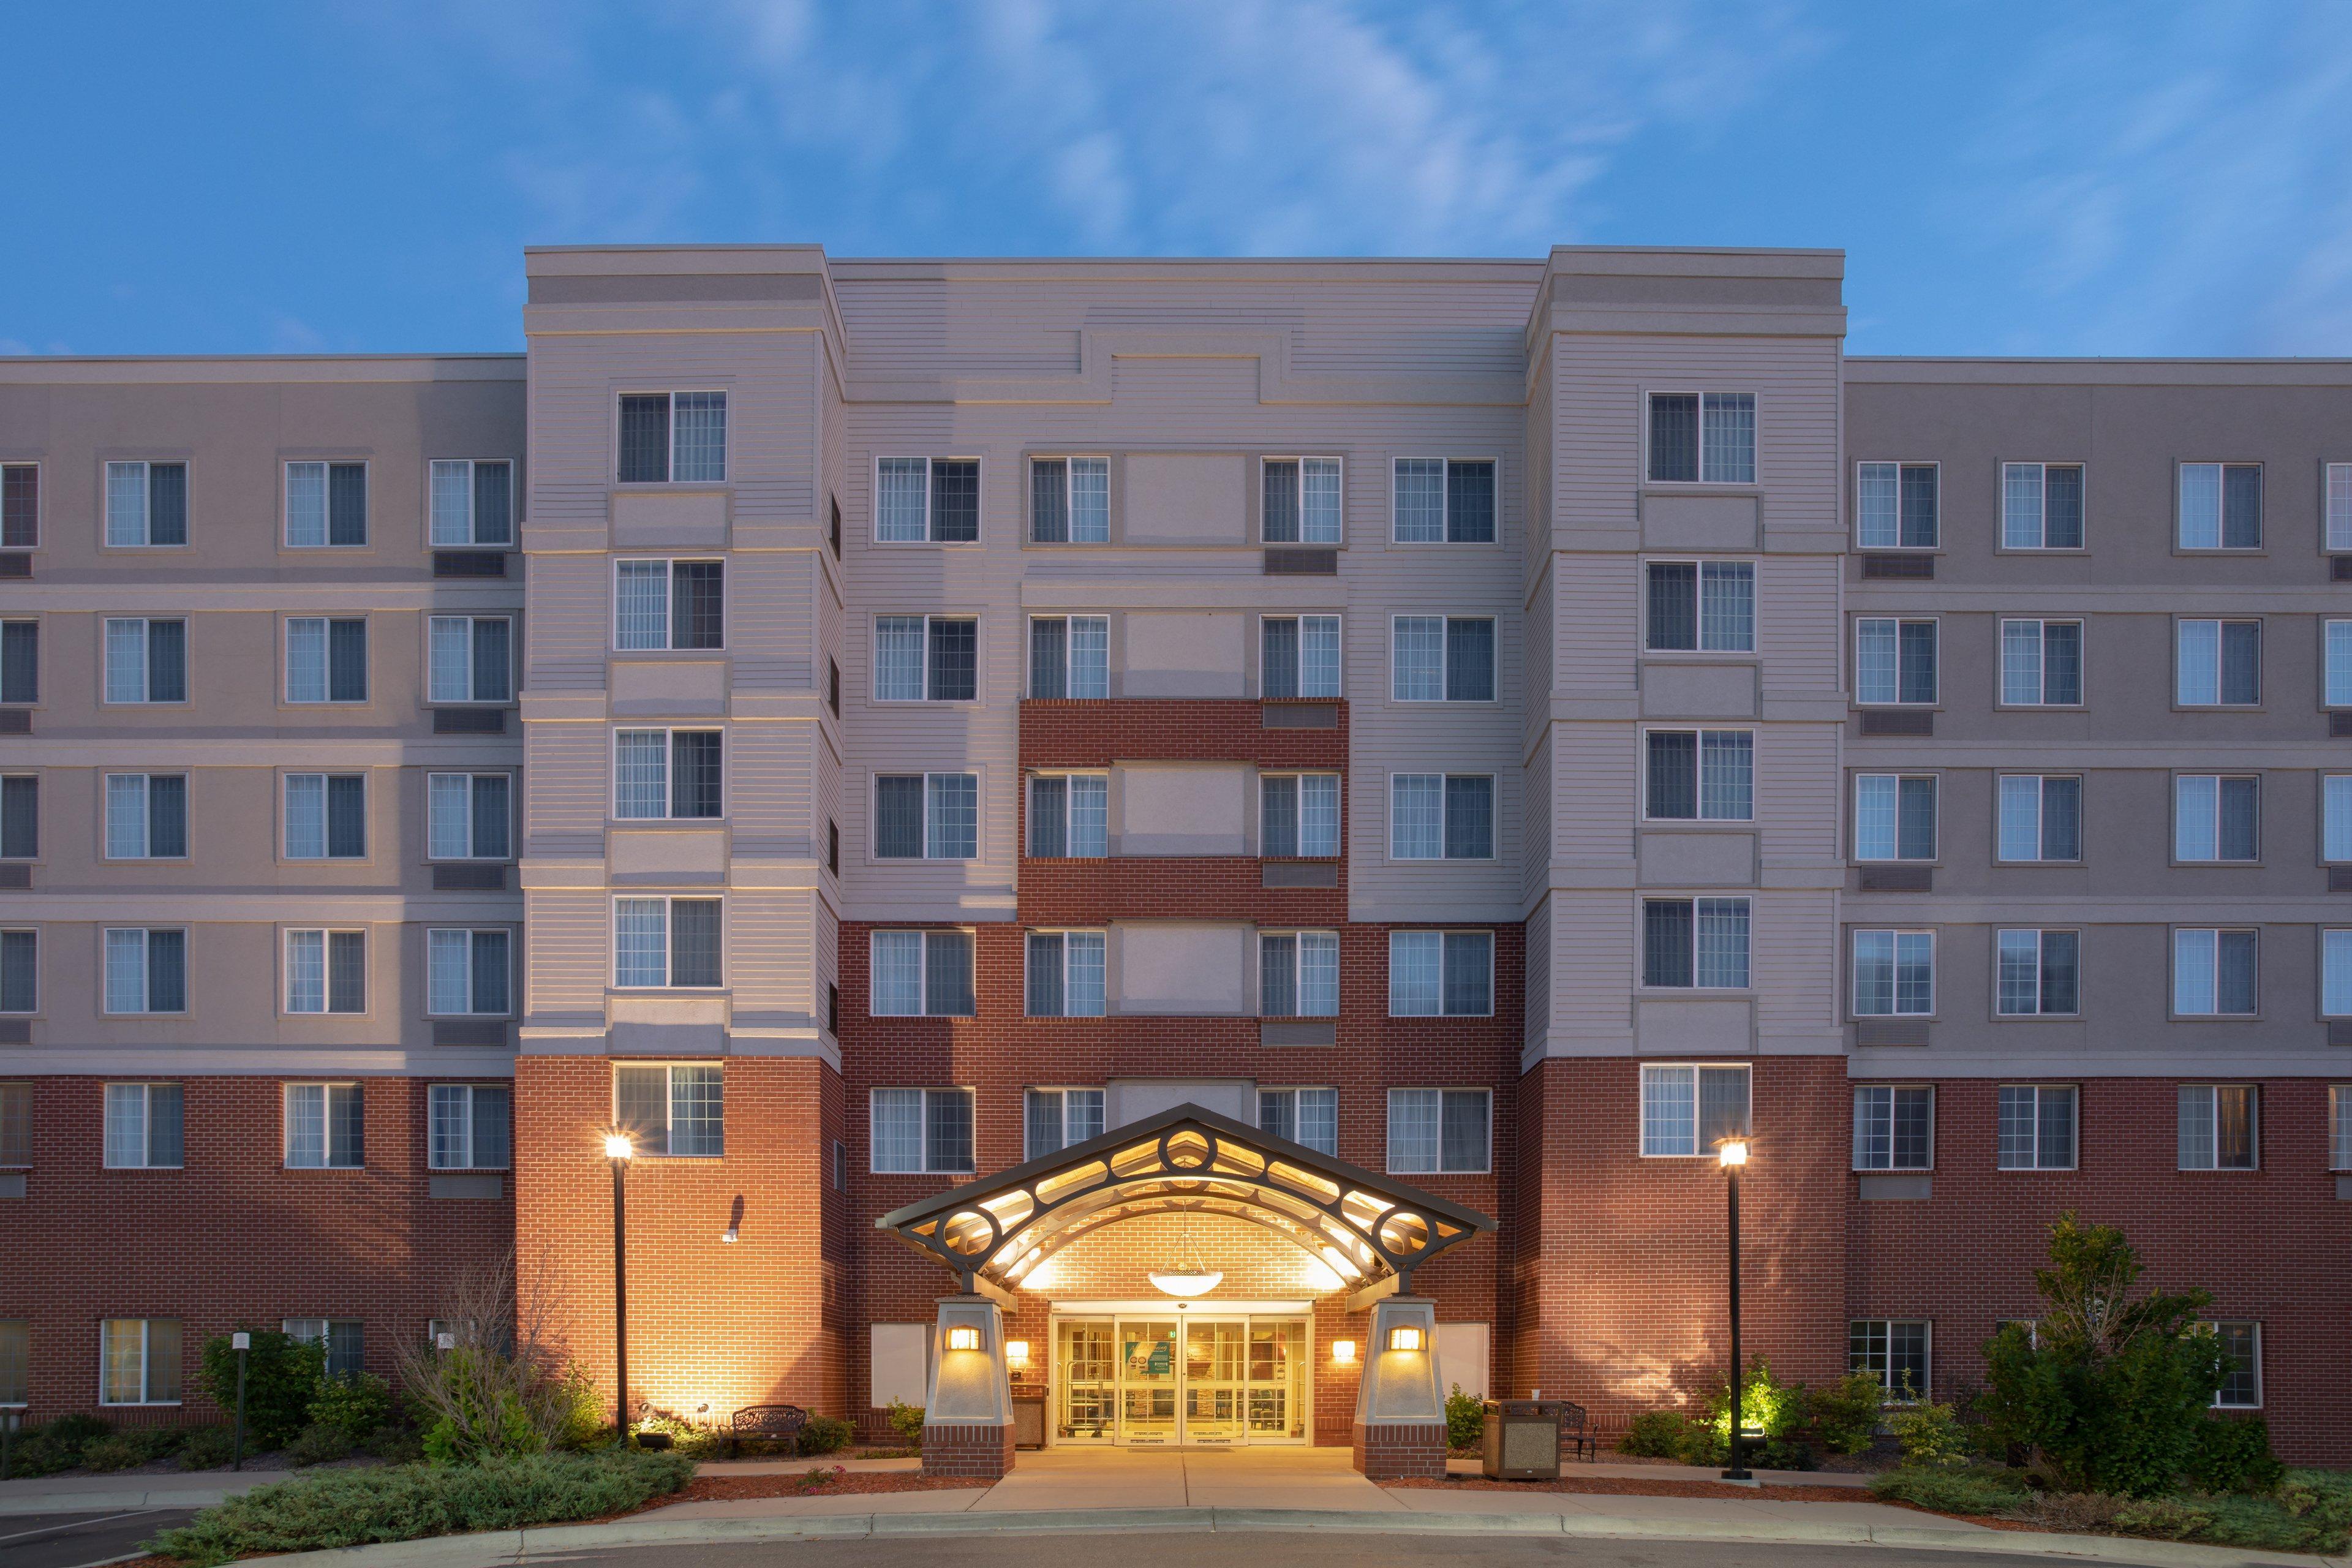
{"type": "Point", "coordinates": [1623, 1486]}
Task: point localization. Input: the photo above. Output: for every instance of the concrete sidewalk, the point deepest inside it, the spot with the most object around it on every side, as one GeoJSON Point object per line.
{"type": "Point", "coordinates": [110, 1493]}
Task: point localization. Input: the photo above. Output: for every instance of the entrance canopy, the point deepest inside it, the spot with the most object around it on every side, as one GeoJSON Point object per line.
{"type": "Point", "coordinates": [1368, 1228]}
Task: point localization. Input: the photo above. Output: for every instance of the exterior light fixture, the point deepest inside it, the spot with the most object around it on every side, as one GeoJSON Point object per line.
{"type": "Point", "coordinates": [1017, 1352]}
{"type": "Point", "coordinates": [1732, 1152]}
{"type": "Point", "coordinates": [1343, 1351]}
{"type": "Point", "coordinates": [727, 1235]}
{"type": "Point", "coordinates": [1406, 1338]}
{"type": "Point", "coordinates": [617, 1146]}
{"type": "Point", "coordinates": [963, 1339]}
{"type": "Point", "coordinates": [1186, 1282]}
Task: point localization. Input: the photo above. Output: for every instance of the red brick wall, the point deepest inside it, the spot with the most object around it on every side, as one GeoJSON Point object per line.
{"type": "Point", "coordinates": [232, 1239]}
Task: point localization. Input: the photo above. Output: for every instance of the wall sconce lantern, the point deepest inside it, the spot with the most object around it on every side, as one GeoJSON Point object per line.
{"type": "Point", "coordinates": [963, 1339]}
{"type": "Point", "coordinates": [1017, 1352]}
{"type": "Point", "coordinates": [1404, 1339]}
{"type": "Point", "coordinates": [1343, 1351]}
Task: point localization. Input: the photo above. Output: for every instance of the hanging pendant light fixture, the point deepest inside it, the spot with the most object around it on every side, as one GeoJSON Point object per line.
{"type": "Point", "coordinates": [1192, 1278]}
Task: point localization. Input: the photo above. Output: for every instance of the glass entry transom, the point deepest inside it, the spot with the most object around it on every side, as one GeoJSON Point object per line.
{"type": "Point", "coordinates": [1161, 1379]}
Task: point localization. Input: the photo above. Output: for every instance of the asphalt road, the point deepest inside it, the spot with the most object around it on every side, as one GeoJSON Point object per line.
{"type": "Point", "coordinates": [1292, 1549]}
{"type": "Point", "coordinates": [78, 1540]}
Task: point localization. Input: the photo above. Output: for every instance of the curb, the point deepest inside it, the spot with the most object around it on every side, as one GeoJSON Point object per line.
{"type": "Point", "coordinates": [121, 1502]}
{"type": "Point", "coordinates": [505, 1548]}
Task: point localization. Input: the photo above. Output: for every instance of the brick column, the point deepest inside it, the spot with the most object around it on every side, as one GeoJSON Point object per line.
{"type": "Point", "coordinates": [1399, 1427]}
{"type": "Point", "coordinates": [968, 1417]}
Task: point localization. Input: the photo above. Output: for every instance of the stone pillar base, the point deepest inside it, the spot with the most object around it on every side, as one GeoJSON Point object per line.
{"type": "Point", "coordinates": [977, 1453]}
{"type": "Point", "coordinates": [1390, 1450]}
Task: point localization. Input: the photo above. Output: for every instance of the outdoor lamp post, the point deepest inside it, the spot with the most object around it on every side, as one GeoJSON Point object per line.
{"type": "Point", "coordinates": [1733, 1153]}
{"type": "Point", "coordinates": [242, 1343]}
{"type": "Point", "coordinates": [617, 1151]}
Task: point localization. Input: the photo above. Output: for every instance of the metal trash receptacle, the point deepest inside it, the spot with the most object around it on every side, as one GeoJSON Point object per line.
{"type": "Point", "coordinates": [1521, 1441]}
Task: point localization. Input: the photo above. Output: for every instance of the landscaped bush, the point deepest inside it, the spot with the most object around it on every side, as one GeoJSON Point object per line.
{"type": "Point", "coordinates": [396, 1443]}
{"type": "Point", "coordinates": [2311, 1511]}
{"type": "Point", "coordinates": [56, 1446]}
{"type": "Point", "coordinates": [354, 1405]}
{"type": "Point", "coordinates": [282, 1378]}
{"type": "Point", "coordinates": [317, 1444]}
{"type": "Point", "coordinates": [207, 1448]}
{"type": "Point", "coordinates": [1656, 1435]}
{"type": "Point", "coordinates": [111, 1454]}
{"type": "Point", "coordinates": [1777, 1410]}
{"type": "Point", "coordinates": [1981, 1489]}
{"type": "Point", "coordinates": [2233, 1454]}
{"type": "Point", "coordinates": [826, 1434]}
{"type": "Point", "coordinates": [907, 1420]}
{"type": "Point", "coordinates": [352, 1507]}
{"type": "Point", "coordinates": [1466, 1419]}
{"type": "Point", "coordinates": [1930, 1435]}
{"type": "Point", "coordinates": [1846, 1413]}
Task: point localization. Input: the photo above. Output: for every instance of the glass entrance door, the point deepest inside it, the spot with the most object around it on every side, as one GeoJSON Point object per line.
{"type": "Point", "coordinates": [1148, 1381]}
{"type": "Point", "coordinates": [1085, 1371]}
{"type": "Point", "coordinates": [1216, 1366]}
{"type": "Point", "coordinates": [1155, 1381]}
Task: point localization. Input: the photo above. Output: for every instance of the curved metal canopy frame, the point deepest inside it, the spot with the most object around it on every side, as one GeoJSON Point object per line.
{"type": "Point", "coordinates": [1189, 1159]}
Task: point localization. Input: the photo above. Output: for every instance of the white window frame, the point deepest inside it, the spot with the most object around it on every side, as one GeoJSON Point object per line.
{"type": "Point", "coordinates": [146, 1098]}
{"type": "Point", "coordinates": [1441, 933]}
{"type": "Point", "coordinates": [923, 989]}
{"type": "Point", "coordinates": [979, 685]}
{"type": "Point", "coordinates": [1446, 658]}
{"type": "Point", "coordinates": [1339, 656]}
{"type": "Point", "coordinates": [1299, 487]}
{"type": "Point", "coordinates": [1700, 564]}
{"type": "Point", "coordinates": [930, 804]}
{"type": "Point", "coordinates": [1339, 839]}
{"type": "Point", "coordinates": [669, 464]}
{"type": "Point", "coordinates": [146, 973]}
{"type": "Point", "coordinates": [669, 1071]}
{"type": "Point", "coordinates": [328, 1090]}
{"type": "Point", "coordinates": [2220, 467]}
{"type": "Point", "coordinates": [1389, 1141]}
{"type": "Point", "coordinates": [1494, 815]}
{"type": "Point", "coordinates": [2180, 697]}
{"type": "Point", "coordinates": [1699, 1149]}
{"type": "Point", "coordinates": [1888, 1384]}
{"type": "Point", "coordinates": [668, 733]}
{"type": "Point", "coordinates": [1700, 732]}
{"type": "Point", "coordinates": [437, 700]}
{"type": "Point", "coordinates": [1898, 859]}
{"type": "Point", "coordinates": [1069, 497]}
{"type": "Point", "coordinates": [326, 466]}
{"type": "Point", "coordinates": [2041, 808]}
{"type": "Point", "coordinates": [2042, 467]}
{"type": "Point", "coordinates": [2326, 856]}
{"type": "Point", "coordinates": [2041, 624]}
{"type": "Point", "coordinates": [1029, 812]}
{"type": "Point", "coordinates": [146, 697]}
{"type": "Point", "coordinates": [41, 490]}
{"type": "Point", "coordinates": [473, 779]}
{"type": "Point", "coordinates": [2180, 820]}
{"type": "Point", "coordinates": [2213, 1126]}
{"type": "Point", "coordinates": [1899, 465]}
{"type": "Point", "coordinates": [1892, 1091]}
{"type": "Point", "coordinates": [2042, 935]}
{"type": "Point", "coordinates": [473, 524]}
{"type": "Point", "coordinates": [874, 1143]}
{"type": "Point", "coordinates": [326, 827]}
{"type": "Point", "coordinates": [2332, 693]}
{"type": "Point", "coordinates": [2039, 1090]}
{"type": "Point", "coordinates": [2336, 507]}
{"type": "Point", "coordinates": [1694, 899]}
{"type": "Point", "coordinates": [327, 653]}
{"type": "Point", "coordinates": [2340, 1121]}
{"type": "Point", "coordinates": [1894, 998]}
{"type": "Point", "coordinates": [1898, 700]}
{"type": "Point", "coordinates": [1756, 433]}
{"type": "Point", "coordinates": [1444, 499]}
{"type": "Point", "coordinates": [468, 1095]}
{"type": "Point", "coordinates": [35, 932]}
{"type": "Point", "coordinates": [931, 523]}
{"type": "Point", "coordinates": [1063, 935]}
{"type": "Point", "coordinates": [2216, 1325]}
{"type": "Point", "coordinates": [1061, 1094]}
{"type": "Point", "coordinates": [146, 823]}
{"type": "Point", "coordinates": [1292, 1093]}
{"type": "Point", "coordinates": [1298, 935]}
{"type": "Point", "coordinates": [2213, 975]}
{"type": "Point", "coordinates": [669, 566]}
{"type": "Point", "coordinates": [146, 540]}
{"type": "Point", "coordinates": [146, 1363]}
{"type": "Point", "coordinates": [2334, 949]}
{"type": "Point", "coordinates": [669, 981]}
{"type": "Point", "coordinates": [326, 1007]}
{"type": "Point", "coordinates": [473, 935]}
{"type": "Point", "coordinates": [1029, 659]}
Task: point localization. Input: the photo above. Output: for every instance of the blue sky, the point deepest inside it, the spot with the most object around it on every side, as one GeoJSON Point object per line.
{"type": "Point", "coordinates": [2144, 178]}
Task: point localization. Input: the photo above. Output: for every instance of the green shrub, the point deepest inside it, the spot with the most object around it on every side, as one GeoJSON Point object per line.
{"type": "Point", "coordinates": [395, 1442]}
{"type": "Point", "coordinates": [2072, 1513]}
{"type": "Point", "coordinates": [1466, 1419]}
{"type": "Point", "coordinates": [907, 1420]}
{"type": "Point", "coordinates": [56, 1446]}
{"type": "Point", "coordinates": [1981, 1488]}
{"type": "Point", "coordinates": [111, 1454]}
{"type": "Point", "coordinates": [317, 1444]}
{"type": "Point", "coordinates": [1846, 1413]}
{"type": "Point", "coordinates": [281, 1376]}
{"type": "Point", "coordinates": [1769, 1408]}
{"type": "Point", "coordinates": [352, 1507]}
{"type": "Point", "coordinates": [2168, 1517]}
{"type": "Point", "coordinates": [207, 1448]}
{"type": "Point", "coordinates": [72, 1431]}
{"type": "Point", "coordinates": [1656, 1434]}
{"type": "Point", "coordinates": [1930, 1435]}
{"type": "Point", "coordinates": [826, 1434]}
{"type": "Point", "coordinates": [354, 1403]}
{"type": "Point", "coordinates": [2233, 1454]}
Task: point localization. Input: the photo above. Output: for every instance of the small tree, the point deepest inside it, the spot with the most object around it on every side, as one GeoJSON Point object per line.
{"type": "Point", "coordinates": [281, 1377]}
{"type": "Point", "coordinates": [2111, 1385]}
{"type": "Point", "coordinates": [503, 1389]}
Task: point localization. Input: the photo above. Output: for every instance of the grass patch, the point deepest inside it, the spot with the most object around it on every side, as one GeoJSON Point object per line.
{"type": "Point", "coordinates": [406, 1502]}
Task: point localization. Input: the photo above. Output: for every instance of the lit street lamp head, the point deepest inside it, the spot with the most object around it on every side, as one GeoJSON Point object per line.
{"type": "Point", "coordinates": [1732, 1152]}
{"type": "Point", "coordinates": [617, 1146]}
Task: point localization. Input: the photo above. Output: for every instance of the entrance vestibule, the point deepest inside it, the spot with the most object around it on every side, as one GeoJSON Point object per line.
{"type": "Point", "coordinates": [1199, 1375]}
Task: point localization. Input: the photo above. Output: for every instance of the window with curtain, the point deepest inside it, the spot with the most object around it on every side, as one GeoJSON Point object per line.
{"type": "Point", "coordinates": [20, 661]}
{"type": "Point", "coordinates": [468, 817]}
{"type": "Point", "coordinates": [144, 1126]}
{"type": "Point", "coordinates": [1298, 655]}
{"type": "Point", "coordinates": [667, 942]}
{"type": "Point", "coordinates": [1895, 816]}
{"type": "Point", "coordinates": [1700, 775]}
{"type": "Point", "coordinates": [1687, 1108]}
{"type": "Point", "coordinates": [933, 816]}
{"type": "Point", "coordinates": [1438, 1132]}
{"type": "Point", "coordinates": [20, 506]}
{"type": "Point", "coordinates": [1299, 974]}
{"type": "Point", "coordinates": [1065, 974]}
{"type": "Point", "coordinates": [470, 1127]}
{"type": "Point", "coordinates": [1069, 657]}
{"type": "Point", "coordinates": [326, 505]}
{"type": "Point", "coordinates": [1441, 973]}
{"type": "Point", "coordinates": [2220, 1126]}
{"type": "Point", "coordinates": [2039, 817]}
{"type": "Point", "coordinates": [2221, 506]}
{"type": "Point", "coordinates": [2042, 506]}
{"type": "Point", "coordinates": [146, 660]}
{"type": "Point", "coordinates": [668, 604]}
{"type": "Point", "coordinates": [1894, 1127]}
{"type": "Point", "coordinates": [920, 1130]}
{"type": "Point", "coordinates": [1894, 974]}
{"type": "Point", "coordinates": [20, 981]}
{"type": "Point", "coordinates": [1441, 658]}
{"type": "Point", "coordinates": [672, 773]}
{"type": "Point", "coordinates": [2338, 481]}
{"type": "Point", "coordinates": [2219, 664]}
{"type": "Point", "coordinates": [2216, 817]}
{"type": "Point", "coordinates": [466, 973]}
{"type": "Point", "coordinates": [2037, 1130]}
{"type": "Point", "coordinates": [1440, 817]}
{"type": "Point", "coordinates": [1894, 660]}
{"type": "Point", "coordinates": [146, 816]}
{"type": "Point", "coordinates": [1701, 606]}
{"type": "Point", "coordinates": [326, 972]}
{"type": "Point", "coordinates": [469, 658]}
{"type": "Point", "coordinates": [1069, 816]}
{"type": "Point", "coordinates": [673, 437]}
{"type": "Point", "coordinates": [1442, 501]}
{"type": "Point", "coordinates": [918, 974]}
{"type": "Point", "coordinates": [1897, 506]}
{"type": "Point", "coordinates": [926, 658]}
{"type": "Point", "coordinates": [1054, 1119]}
{"type": "Point", "coordinates": [2213, 972]}
{"type": "Point", "coordinates": [326, 1126]}
{"type": "Point", "coordinates": [1300, 501]}
{"type": "Point", "coordinates": [473, 502]}
{"type": "Point", "coordinates": [326, 816]}
{"type": "Point", "coordinates": [1696, 944]}
{"type": "Point", "coordinates": [677, 1111]}
{"type": "Point", "coordinates": [1305, 1116]}
{"type": "Point", "coordinates": [1069, 500]}
{"type": "Point", "coordinates": [1706, 437]}
{"type": "Point", "coordinates": [2042, 663]}
{"type": "Point", "coordinates": [933, 500]}
{"type": "Point", "coordinates": [2038, 972]}
{"type": "Point", "coordinates": [139, 1360]}
{"type": "Point", "coordinates": [146, 504]}
{"type": "Point", "coordinates": [1299, 816]}
{"type": "Point", "coordinates": [326, 659]}
{"type": "Point", "coordinates": [20, 816]}
{"type": "Point", "coordinates": [146, 970]}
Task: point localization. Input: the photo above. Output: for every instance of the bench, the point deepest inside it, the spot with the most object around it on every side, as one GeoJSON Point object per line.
{"type": "Point", "coordinates": [1578, 1436]}
{"type": "Point", "coordinates": [780, 1423]}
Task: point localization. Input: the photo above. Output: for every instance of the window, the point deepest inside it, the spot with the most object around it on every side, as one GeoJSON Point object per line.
{"type": "Point", "coordinates": [326, 504]}
{"type": "Point", "coordinates": [139, 1360]}
{"type": "Point", "coordinates": [1440, 817]}
{"type": "Point", "coordinates": [470, 1127]}
{"type": "Point", "coordinates": [1895, 816]}
{"type": "Point", "coordinates": [20, 510]}
{"type": "Point", "coordinates": [1701, 776]}
{"type": "Point", "coordinates": [2336, 973]}
{"type": "Point", "coordinates": [468, 817]}
{"type": "Point", "coordinates": [1440, 501]}
{"type": "Point", "coordinates": [1298, 655]}
{"type": "Point", "coordinates": [2339, 506]}
{"type": "Point", "coordinates": [146, 816]}
{"type": "Point", "coordinates": [16, 1133]}
{"type": "Point", "coordinates": [147, 504]}
{"type": "Point", "coordinates": [326, 972]}
{"type": "Point", "coordinates": [832, 847]}
{"type": "Point", "coordinates": [326, 660]}
{"type": "Point", "coordinates": [1894, 1127]}
{"type": "Point", "coordinates": [1443, 659]}
{"type": "Point", "coordinates": [671, 773]}
{"type": "Point", "coordinates": [146, 660]}
{"type": "Point", "coordinates": [1301, 499]}
{"type": "Point", "coordinates": [2216, 817]}
{"type": "Point", "coordinates": [1069, 656]}
{"type": "Point", "coordinates": [2214, 974]}
{"type": "Point", "coordinates": [2340, 1123]}
{"type": "Point", "coordinates": [20, 816]}
{"type": "Point", "coordinates": [2038, 972]}
{"type": "Point", "coordinates": [20, 974]}
{"type": "Point", "coordinates": [1896, 506]}
{"type": "Point", "coordinates": [927, 816]}
{"type": "Point", "coordinates": [2041, 663]}
{"type": "Point", "coordinates": [146, 971]}
{"type": "Point", "coordinates": [926, 658]}
{"type": "Point", "coordinates": [669, 943]}
{"type": "Point", "coordinates": [921, 1130]}
{"type": "Point", "coordinates": [933, 500]}
{"type": "Point", "coordinates": [2218, 1126]}
{"type": "Point", "coordinates": [1702, 606]}
{"type": "Point", "coordinates": [473, 502]}
{"type": "Point", "coordinates": [2221, 506]}
{"type": "Point", "coordinates": [341, 1339]}
{"type": "Point", "coordinates": [1441, 973]}
{"type": "Point", "coordinates": [1069, 816]}
{"type": "Point", "coordinates": [2042, 506]}
{"type": "Point", "coordinates": [921, 973]}
{"type": "Point", "coordinates": [1894, 1351]}
{"type": "Point", "coordinates": [1069, 500]}
{"type": "Point", "coordinates": [326, 1126]}
{"type": "Point", "coordinates": [840, 1166]}
{"type": "Point", "coordinates": [833, 686]}
{"type": "Point", "coordinates": [20, 661]}
{"type": "Point", "coordinates": [1299, 816]}
{"type": "Point", "coordinates": [1438, 1131]}
{"type": "Point", "coordinates": [2040, 817]}
{"type": "Point", "coordinates": [1305, 1116]}
{"type": "Point", "coordinates": [1894, 661]}
{"type": "Point", "coordinates": [677, 1111]}
{"type": "Point", "coordinates": [1065, 974]}
{"type": "Point", "coordinates": [326, 816]}
{"type": "Point", "coordinates": [1054, 1119]}
{"type": "Point", "coordinates": [2336, 663]}
{"type": "Point", "coordinates": [673, 437]}
{"type": "Point", "coordinates": [668, 605]}
{"type": "Point", "coordinates": [143, 1126]}
{"type": "Point", "coordinates": [1299, 974]}
{"type": "Point", "coordinates": [2242, 1366]}
{"type": "Point", "coordinates": [2219, 664]}
{"type": "Point", "coordinates": [1704, 436]}
{"type": "Point", "coordinates": [1695, 944]}
{"type": "Point", "coordinates": [470, 661]}
{"type": "Point", "coordinates": [2037, 1126]}
{"type": "Point", "coordinates": [1690, 1108]}
{"type": "Point", "coordinates": [16, 1364]}
{"type": "Point", "coordinates": [466, 973]}
{"type": "Point", "coordinates": [1894, 974]}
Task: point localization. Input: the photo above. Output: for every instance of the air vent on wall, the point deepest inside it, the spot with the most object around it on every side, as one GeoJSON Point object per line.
{"type": "Point", "coordinates": [1302, 563]}
{"type": "Point", "coordinates": [2339, 1032]}
{"type": "Point", "coordinates": [469, 1032]}
{"type": "Point", "coordinates": [464, 878]}
{"type": "Point", "coordinates": [2339, 879]}
{"type": "Point", "coordinates": [1898, 721]}
{"type": "Point", "coordinates": [2343, 568]}
{"type": "Point", "coordinates": [470, 721]}
{"type": "Point", "coordinates": [469, 564]}
{"type": "Point", "coordinates": [15, 877]}
{"type": "Point", "coordinates": [1898, 880]}
{"type": "Point", "coordinates": [16, 720]}
{"type": "Point", "coordinates": [1883, 567]}
{"type": "Point", "coordinates": [1890, 1032]}
{"type": "Point", "coordinates": [2339, 726]}
{"type": "Point", "coordinates": [1298, 716]}
{"type": "Point", "coordinates": [16, 564]}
